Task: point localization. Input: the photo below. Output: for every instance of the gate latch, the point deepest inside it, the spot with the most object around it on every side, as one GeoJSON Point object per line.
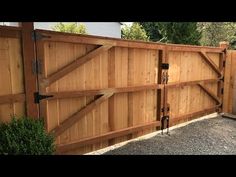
{"type": "Point", "coordinates": [165, 66]}
{"type": "Point", "coordinates": [38, 97]}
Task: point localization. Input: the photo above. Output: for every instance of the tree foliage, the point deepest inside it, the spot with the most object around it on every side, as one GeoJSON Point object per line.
{"type": "Point", "coordinates": [134, 32]}
{"type": "Point", "coordinates": [180, 32]}
{"type": "Point", "coordinates": [215, 32]}
{"type": "Point", "coordinates": [70, 28]}
{"type": "Point", "coordinates": [173, 32]}
{"type": "Point", "coordinates": [152, 30]}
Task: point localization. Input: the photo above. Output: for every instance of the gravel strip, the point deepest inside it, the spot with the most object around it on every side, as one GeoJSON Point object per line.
{"type": "Point", "coordinates": [210, 136]}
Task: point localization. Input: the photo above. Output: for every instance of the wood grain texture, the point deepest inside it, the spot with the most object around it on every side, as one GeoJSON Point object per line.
{"type": "Point", "coordinates": [12, 95]}
{"type": "Point", "coordinates": [30, 79]}
{"type": "Point", "coordinates": [227, 81]}
{"type": "Point", "coordinates": [132, 74]}
{"type": "Point", "coordinates": [230, 83]}
{"type": "Point", "coordinates": [109, 90]}
{"type": "Point", "coordinates": [187, 70]}
{"type": "Point", "coordinates": [118, 104]}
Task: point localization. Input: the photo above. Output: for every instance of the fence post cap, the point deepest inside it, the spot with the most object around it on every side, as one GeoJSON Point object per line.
{"type": "Point", "coordinates": [224, 44]}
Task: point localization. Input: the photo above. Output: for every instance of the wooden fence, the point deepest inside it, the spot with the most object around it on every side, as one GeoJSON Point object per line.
{"type": "Point", "coordinates": [94, 91]}
{"type": "Point", "coordinates": [229, 105]}
{"type": "Point", "coordinates": [12, 91]}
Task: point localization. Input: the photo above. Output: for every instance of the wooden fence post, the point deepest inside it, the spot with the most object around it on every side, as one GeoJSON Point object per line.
{"type": "Point", "coordinates": [28, 59]}
{"type": "Point", "coordinates": [221, 94]}
{"type": "Point", "coordinates": [224, 44]}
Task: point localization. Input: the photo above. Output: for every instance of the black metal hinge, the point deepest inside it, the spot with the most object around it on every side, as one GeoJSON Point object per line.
{"type": "Point", "coordinates": [38, 97]}
{"type": "Point", "coordinates": [36, 67]}
{"type": "Point", "coordinates": [222, 91]}
{"type": "Point", "coordinates": [38, 36]}
{"type": "Point", "coordinates": [165, 66]}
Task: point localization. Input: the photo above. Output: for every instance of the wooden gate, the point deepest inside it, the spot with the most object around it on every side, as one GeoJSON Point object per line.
{"type": "Point", "coordinates": [93, 92]}
{"type": "Point", "coordinates": [195, 85]}
{"type": "Point", "coordinates": [96, 89]}
{"type": "Point", "coordinates": [229, 105]}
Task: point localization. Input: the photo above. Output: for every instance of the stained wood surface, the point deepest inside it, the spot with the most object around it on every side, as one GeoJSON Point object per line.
{"type": "Point", "coordinates": [11, 79]}
{"type": "Point", "coordinates": [109, 90]}
{"type": "Point", "coordinates": [126, 71]}
{"type": "Point", "coordinates": [189, 97]}
{"type": "Point", "coordinates": [229, 97]}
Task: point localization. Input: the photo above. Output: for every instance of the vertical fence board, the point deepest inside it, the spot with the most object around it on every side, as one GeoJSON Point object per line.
{"type": "Point", "coordinates": [6, 110]}
{"type": "Point", "coordinates": [228, 82]}
{"type": "Point", "coordinates": [118, 77]}
{"type": "Point", "coordinates": [11, 76]}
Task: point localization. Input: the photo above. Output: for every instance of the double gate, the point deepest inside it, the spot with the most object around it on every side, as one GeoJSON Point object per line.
{"type": "Point", "coordinates": [93, 92]}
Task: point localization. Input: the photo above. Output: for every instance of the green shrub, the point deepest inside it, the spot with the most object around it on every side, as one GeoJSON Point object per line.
{"type": "Point", "coordinates": [25, 136]}
{"type": "Point", "coordinates": [134, 32]}
{"type": "Point", "coordinates": [70, 28]}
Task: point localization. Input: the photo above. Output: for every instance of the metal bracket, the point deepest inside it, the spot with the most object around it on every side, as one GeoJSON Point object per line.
{"type": "Point", "coordinates": [165, 66]}
{"type": "Point", "coordinates": [38, 36]}
{"type": "Point", "coordinates": [38, 97]}
{"type": "Point", "coordinates": [167, 118]}
{"type": "Point", "coordinates": [165, 77]}
{"type": "Point", "coordinates": [222, 91]}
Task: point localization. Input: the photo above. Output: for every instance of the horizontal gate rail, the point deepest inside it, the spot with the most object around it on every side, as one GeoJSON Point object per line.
{"type": "Point", "coordinates": [74, 94]}
{"type": "Point", "coordinates": [98, 40]}
{"type": "Point", "coordinates": [93, 92]}
{"type": "Point", "coordinates": [190, 48]}
{"type": "Point", "coordinates": [114, 134]}
{"type": "Point", "coordinates": [188, 83]}
{"type": "Point", "coordinates": [11, 32]}
{"type": "Point", "coordinates": [197, 113]}
{"type": "Point", "coordinates": [11, 98]}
